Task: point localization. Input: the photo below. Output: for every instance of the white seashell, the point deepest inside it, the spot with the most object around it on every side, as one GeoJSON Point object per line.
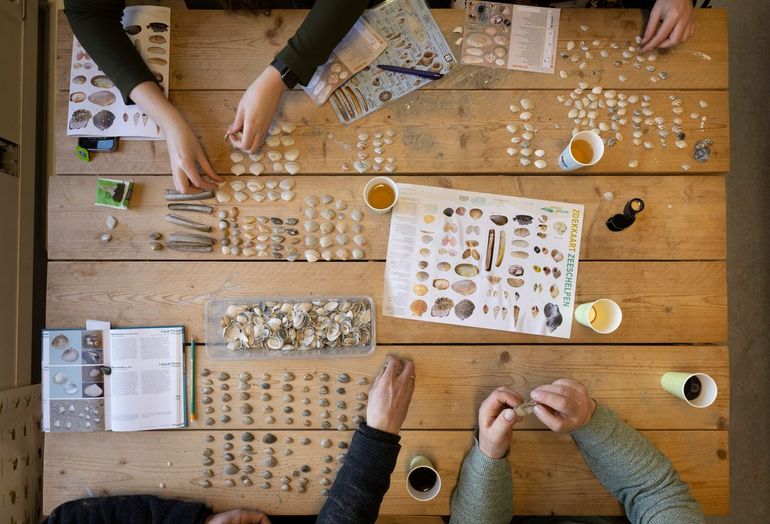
{"type": "Point", "coordinates": [356, 215]}
{"type": "Point", "coordinates": [93, 390]}
{"type": "Point", "coordinates": [341, 239]}
{"type": "Point", "coordinates": [311, 240]}
{"type": "Point", "coordinates": [527, 104]}
{"type": "Point", "coordinates": [633, 163]}
{"type": "Point", "coordinates": [511, 151]}
{"type": "Point", "coordinates": [70, 389]}
{"type": "Point", "coordinates": [287, 183]}
{"type": "Point", "coordinates": [390, 168]}
{"type": "Point", "coordinates": [236, 156]}
{"type": "Point", "coordinates": [292, 168]}
{"type": "Point", "coordinates": [328, 213]}
{"type": "Point", "coordinates": [357, 253]}
{"type": "Point", "coordinates": [341, 227]}
{"type": "Point", "coordinates": [256, 168]}
{"type": "Point", "coordinates": [60, 378]}
{"type": "Point", "coordinates": [287, 140]}
{"type": "Point", "coordinates": [570, 45]}
{"type": "Point", "coordinates": [311, 200]}
{"type": "Point", "coordinates": [360, 240]}
{"type": "Point", "coordinates": [327, 227]}
{"type": "Point", "coordinates": [584, 28]}
{"type": "Point", "coordinates": [340, 205]}
{"type": "Point", "coordinates": [525, 162]}
{"type": "Point", "coordinates": [327, 255]}
{"type": "Point", "coordinates": [327, 199]}
{"type": "Point", "coordinates": [274, 156]}
{"type": "Point", "coordinates": [540, 163]}
{"type": "Point", "coordinates": [597, 90]}
{"type": "Point", "coordinates": [362, 166]}
{"type": "Point", "coordinates": [288, 195]}
{"type": "Point", "coordinates": [254, 185]}
{"type": "Point", "coordinates": [238, 169]}
{"type": "Point", "coordinates": [277, 167]}
{"type": "Point", "coordinates": [288, 127]}
{"type": "Point", "coordinates": [271, 183]}
{"type": "Point", "coordinates": [343, 253]}
{"type": "Point", "coordinates": [258, 197]}
{"type": "Point", "coordinates": [311, 255]}
{"type": "Point", "coordinates": [525, 151]}
{"type": "Point", "coordinates": [273, 195]}
{"type": "Point", "coordinates": [526, 115]}
{"type": "Point", "coordinates": [512, 128]}
{"type": "Point", "coordinates": [112, 222]}
{"type": "Point", "coordinates": [291, 154]}
{"type": "Point", "coordinates": [273, 141]}
{"type": "Point", "coordinates": [459, 41]}
{"type": "Point", "coordinates": [237, 185]}
{"type": "Point", "coordinates": [240, 196]}
{"type": "Point", "coordinates": [256, 157]}
{"type": "Point", "coordinates": [326, 241]}
{"type": "Point", "coordinates": [563, 74]}
{"type": "Point", "coordinates": [527, 135]}
{"type": "Point", "coordinates": [311, 226]}
{"type": "Point", "coordinates": [539, 153]}
{"type": "Point", "coordinates": [363, 137]}
{"type": "Point", "coordinates": [223, 197]}
{"type": "Point", "coordinates": [458, 30]}
{"type": "Point", "coordinates": [311, 212]}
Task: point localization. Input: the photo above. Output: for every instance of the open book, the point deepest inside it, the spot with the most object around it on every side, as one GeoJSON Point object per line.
{"type": "Point", "coordinates": [127, 379]}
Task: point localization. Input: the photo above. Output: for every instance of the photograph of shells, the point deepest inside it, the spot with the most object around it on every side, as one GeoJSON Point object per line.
{"type": "Point", "coordinates": [414, 40]}
{"type": "Point", "coordinates": [96, 107]}
{"type": "Point", "coordinates": [482, 260]}
{"type": "Point", "coordinates": [505, 36]}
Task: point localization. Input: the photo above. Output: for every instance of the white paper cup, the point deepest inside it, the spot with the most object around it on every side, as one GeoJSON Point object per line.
{"type": "Point", "coordinates": [603, 315]}
{"type": "Point", "coordinates": [568, 163]}
{"type": "Point", "coordinates": [373, 182]}
{"type": "Point", "coordinates": [674, 382]}
{"type": "Point", "coordinates": [422, 463]}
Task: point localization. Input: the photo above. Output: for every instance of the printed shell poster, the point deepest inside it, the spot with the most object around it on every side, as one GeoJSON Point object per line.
{"type": "Point", "coordinates": [482, 260]}
{"type": "Point", "coordinates": [96, 106]}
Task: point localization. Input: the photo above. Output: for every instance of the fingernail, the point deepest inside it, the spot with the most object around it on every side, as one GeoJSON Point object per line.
{"type": "Point", "coordinates": [538, 408]}
{"type": "Point", "coordinates": [535, 394]}
{"type": "Point", "coordinates": [508, 415]}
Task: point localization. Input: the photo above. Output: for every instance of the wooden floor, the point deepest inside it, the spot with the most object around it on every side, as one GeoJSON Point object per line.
{"type": "Point", "coordinates": [667, 271]}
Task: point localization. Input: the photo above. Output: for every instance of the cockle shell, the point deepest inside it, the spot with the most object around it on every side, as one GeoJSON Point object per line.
{"type": "Point", "coordinates": [464, 287]}
{"type": "Point", "coordinates": [102, 98]}
{"type": "Point", "coordinates": [311, 255]}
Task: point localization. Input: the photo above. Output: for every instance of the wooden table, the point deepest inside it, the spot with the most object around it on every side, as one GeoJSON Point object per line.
{"type": "Point", "coordinates": [667, 272]}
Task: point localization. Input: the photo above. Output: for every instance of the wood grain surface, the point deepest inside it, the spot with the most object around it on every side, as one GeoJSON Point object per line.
{"type": "Point", "coordinates": [664, 231]}
{"type": "Point", "coordinates": [220, 50]}
{"type": "Point", "coordinates": [549, 475]}
{"type": "Point", "coordinates": [475, 143]}
{"type": "Point", "coordinates": [662, 302]}
{"type": "Point", "coordinates": [455, 379]}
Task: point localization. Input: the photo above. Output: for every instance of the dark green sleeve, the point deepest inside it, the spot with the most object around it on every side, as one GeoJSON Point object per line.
{"type": "Point", "coordinates": [325, 26]}
{"type": "Point", "coordinates": [97, 26]}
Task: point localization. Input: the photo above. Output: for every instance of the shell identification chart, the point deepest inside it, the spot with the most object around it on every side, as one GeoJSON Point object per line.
{"type": "Point", "coordinates": [482, 260]}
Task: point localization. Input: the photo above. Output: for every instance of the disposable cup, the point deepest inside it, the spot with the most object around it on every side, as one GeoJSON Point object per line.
{"type": "Point", "coordinates": [674, 382]}
{"type": "Point", "coordinates": [567, 161]}
{"type": "Point", "coordinates": [421, 465]}
{"type": "Point", "coordinates": [603, 315]}
{"type": "Point", "coordinates": [373, 182]}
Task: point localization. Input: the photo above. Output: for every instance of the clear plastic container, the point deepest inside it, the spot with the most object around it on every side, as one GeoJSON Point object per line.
{"type": "Point", "coordinates": [216, 346]}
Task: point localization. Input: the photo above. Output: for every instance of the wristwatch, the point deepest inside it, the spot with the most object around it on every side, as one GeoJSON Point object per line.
{"type": "Point", "coordinates": [287, 75]}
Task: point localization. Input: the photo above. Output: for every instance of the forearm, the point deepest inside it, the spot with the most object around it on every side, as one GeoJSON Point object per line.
{"type": "Point", "coordinates": [484, 490]}
{"type": "Point", "coordinates": [325, 26]}
{"type": "Point", "coordinates": [129, 509]}
{"type": "Point", "coordinates": [635, 472]}
{"type": "Point", "coordinates": [97, 26]}
{"type": "Point", "coordinates": [149, 97]}
{"type": "Point", "coordinates": [363, 480]}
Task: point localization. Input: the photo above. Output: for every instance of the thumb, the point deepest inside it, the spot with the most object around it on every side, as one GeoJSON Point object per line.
{"type": "Point", "coordinates": [237, 124]}
{"type": "Point", "coordinates": [504, 422]}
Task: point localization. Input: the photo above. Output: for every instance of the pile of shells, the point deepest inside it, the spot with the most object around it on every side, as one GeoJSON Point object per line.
{"type": "Point", "coordinates": [376, 143]}
{"type": "Point", "coordinates": [280, 156]}
{"type": "Point", "coordinates": [301, 326]}
{"type": "Point", "coordinates": [523, 133]}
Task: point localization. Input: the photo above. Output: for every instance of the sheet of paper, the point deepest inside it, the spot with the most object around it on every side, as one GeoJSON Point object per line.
{"type": "Point", "coordinates": [414, 40]}
{"type": "Point", "coordinates": [96, 107]}
{"type": "Point", "coordinates": [72, 379]}
{"type": "Point", "coordinates": [147, 390]}
{"type": "Point", "coordinates": [505, 36]}
{"type": "Point", "coordinates": [357, 50]}
{"type": "Point", "coordinates": [483, 260]}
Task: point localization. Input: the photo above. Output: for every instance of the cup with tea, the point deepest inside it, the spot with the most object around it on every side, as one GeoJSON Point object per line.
{"type": "Point", "coordinates": [697, 389]}
{"type": "Point", "coordinates": [603, 315]}
{"type": "Point", "coordinates": [423, 481]}
{"type": "Point", "coordinates": [380, 194]}
{"type": "Point", "coordinates": [585, 149]}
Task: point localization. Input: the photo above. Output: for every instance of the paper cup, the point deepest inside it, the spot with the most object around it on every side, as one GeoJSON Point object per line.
{"type": "Point", "coordinates": [603, 315]}
{"type": "Point", "coordinates": [567, 161]}
{"type": "Point", "coordinates": [674, 382]}
{"type": "Point", "coordinates": [421, 468]}
{"type": "Point", "coordinates": [373, 182]}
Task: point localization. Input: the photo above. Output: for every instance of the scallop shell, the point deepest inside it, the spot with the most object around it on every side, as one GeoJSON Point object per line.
{"type": "Point", "coordinates": [291, 154]}
{"type": "Point", "coordinates": [464, 287]}
{"type": "Point", "coordinates": [256, 169]}
{"type": "Point", "coordinates": [287, 195]}
{"type": "Point", "coordinates": [418, 307]}
{"type": "Point", "coordinates": [357, 253]}
{"type": "Point", "coordinates": [238, 169]}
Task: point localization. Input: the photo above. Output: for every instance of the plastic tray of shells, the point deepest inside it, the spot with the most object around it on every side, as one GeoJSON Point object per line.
{"type": "Point", "coordinates": [255, 328]}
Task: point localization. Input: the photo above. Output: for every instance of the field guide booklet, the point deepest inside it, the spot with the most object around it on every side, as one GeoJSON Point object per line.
{"type": "Point", "coordinates": [113, 379]}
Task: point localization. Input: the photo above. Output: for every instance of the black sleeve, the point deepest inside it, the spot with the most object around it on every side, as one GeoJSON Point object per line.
{"type": "Point", "coordinates": [97, 26]}
{"type": "Point", "coordinates": [129, 509]}
{"type": "Point", "coordinates": [325, 26]}
{"type": "Point", "coordinates": [363, 480]}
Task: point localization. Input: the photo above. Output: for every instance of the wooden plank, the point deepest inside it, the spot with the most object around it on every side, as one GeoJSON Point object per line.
{"type": "Point", "coordinates": [474, 143]}
{"type": "Point", "coordinates": [549, 474]}
{"type": "Point", "coordinates": [219, 50]}
{"type": "Point", "coordinates": [455, 379]}
{"type": "Point", "coordinates": [663, 302]}
{"type": "Point", "coordinates": [666, 230]}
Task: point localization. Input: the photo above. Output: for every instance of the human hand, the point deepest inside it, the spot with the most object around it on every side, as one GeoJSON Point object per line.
{"type": "Point", "coordinates": [496, 419]}
{"type": "Point", "coordinates": [257, 109]}
{"type": "Point", "coordinates": [671, 22]}
{"type": "Point", "coordinates": [239, 516]}
{"type": "Point", "coordinates": [184, 151]}
{"type": "Point", "coordinates": [563, 406]}
{"type": "Point", "coordinates": [390, 395]}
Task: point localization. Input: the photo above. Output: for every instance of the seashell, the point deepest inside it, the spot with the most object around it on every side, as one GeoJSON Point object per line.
{"type": "Point", "coordinates": [540, 163]}
{"type": "Point", "coordinates": [273, 196]}
{"type": "Point", "coordinates": [477, 40]}
{"type": "Point", "coordinates": [240, 196]}
{"type": "Point", "coordinates": [519, 254]}
{"type": "Point", "coordinates": [525, 116]}
{"type": "Point", "coordinates": [311, 200]}
{"type": "Point", "coordinates": [238, 169]}
{"type": "Point", "coordinates": [258, 197]}
{"type": "Point", "coordinates": [237, 185]}
{"type": "Point", "coordinates": [326, 241]}
{"type": "Point", "coordinates": [102, 82]}
{"type": "Point", "coordinates": [557, 255]}
{"type": "Point", "coordinates": [102, 98]}
{"type": "Point", "coordinates": [464, 309]}
{"type": "Point", "coordinates": [311, 255]}
{"type": "Point", "coordinates": [256, 169]}
{"type": "Point", "coordinates": [418, 307]}
{"type": "Point", "coordinates": [521, 231]}
{"type": "Point", "coordinates": [93, 391]}
{"type": "Point", "coordinates": [292, 168]}
{"type": "Point", "coordinates": [357, 253]}
{"type": "Point", "coordinates": [277, 167]}
{"type": "Point", "coordinates": [515, 282]}
{"type": "Point", "coordinates": [527, 104]}
{"type": "Point", "coordinates": [466, 270]}
{"type": "Point", "coordinates": [499, 220]}
{"type": "Point", "coordinates": [327, 255]}
{"type": "Point", "coordinates": [464, 287]}
{"type": "Point", "coordinates": [343, 253]}
{"type": "Point", "coordinates": [361, 166]}
{"type": "Point", "coordinates": [288, 195]}
{"type": "Point", "coordinates": [60, 378]}
{"type": "Point", "coordinates": [70, 355]}
{"type": "Point", "coordinates": [274, 156]}
{"type": "Point", "coordinates": [444, 266]}
{"type": "Point", "coordinates": [356, 215]}
{"type": "Point", "coordinates": [70, 388]}
{"type": "Point", "coordinates": [287, 140]}
{"type": "Point", "coordinates": [441, 284]}
{"type": "Point", "coordinates": [103, 119]}
{"type": "Point", "coordinates": [420, 289]}
{"type": "Point", "coordinates": [441, 307]}
{"type": "Point", "coordinates": [475, 213]}
{"type": "Point", "coordinates": [360, 240]}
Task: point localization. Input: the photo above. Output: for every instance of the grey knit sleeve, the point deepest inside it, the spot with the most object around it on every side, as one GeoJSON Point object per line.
{"type": "Point", "coordinates": [635, 472]}
{"type": "Point", "coordinates": [484, 490]}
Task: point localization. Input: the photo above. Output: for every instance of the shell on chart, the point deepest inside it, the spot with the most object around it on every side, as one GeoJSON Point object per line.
{"type": "Point", "coordinates": [520, 243]}
{"type": "Point", "coordinates": [418, 307]}
{"type": "Point", "coordinates": [157, 39]}
{"type": "Point", "coordinates": [441, 284]}
{"type": "Point", "coordinates": [475, 213]}
{"type": "Point", "coordinates": [556, 272]}
{"type": "Point", "coordinates": [466, 270]}
{"type": "Point", "coordinates": [554, 290]}
{"type": "Point", "coordinates": [60, 342]}
{"type": "Point", "coordinates": [553, 317]}
{"type": "Point", "coordinates": [477, 40]}
{"type": "Point", "coordinates": [70, 388]}
{"type": "Point", "coordinates": [78, 80]}
{"type": "Point", "coordinates": [494, 279]}
{"type": "Point", "coordinates": [464, 309]}
{"type": "Point", "coordinates": [156, 50]}
{"type": "Point", "coordinates": [420, 289]}
{"type": "Point", "coordinates": [133, 30]}
{"type": "Point", "coordinates": [522, 220]}
{"type": "Point", "coordinates": [102, 82]}
{"type": "Point", "coordinates": [521, 232]}
{"type": "Point", "coordinates": [60, 378]}
{"type": "Point", "coordinates": [79, 118]}
{"type": "Point", "coordinates": [93, 390]}
{"type": "Point", "coordinates": [424, 251]}
{"type": "Point", "coordinates": [516, 270]}
{"type": "Point", "coordinates": [441, 307]}
{"type": "Point", "coordinates": [515, 282]}
{"type": "Point", "coordinates": [423, 264]}
{"type": "Point", "coordinates": [464, 287]}
{"type": "Point", "coordinates": [444, 266]}
{"type": "Point", "coordinates": [70, 355]}
{"type": "Point", "coordinates": [77, 97]}
{"type": "Point", "coordinates": [557, 255]}
{"type": "Point", "coordinates": [560, 228]}
{"type": "Point", "coordinates": [499, 220]}
{"type": "Point", "coordinates": [519, 254]}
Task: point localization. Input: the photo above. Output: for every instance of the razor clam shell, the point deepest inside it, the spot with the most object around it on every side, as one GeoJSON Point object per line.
{"type": "Point", "coordinates": [186, 246]}
{"type": "Point", "coordinates": [193, 208]}
{"type": "Point", "coordinates": [191, 238]}
{"type": "Point", "coordinates": [172, 195]}
{"type": "Point", "coordinates": [180, 221]}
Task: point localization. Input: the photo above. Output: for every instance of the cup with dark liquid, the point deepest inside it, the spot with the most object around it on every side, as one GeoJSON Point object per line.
{"type": "Point", "coordinates": [423, 481]}
{"type": "Point", "coordinates": [380, 194]}
{"type": "Point", "coordinates": [585, 149]}
{"type": "Point", "coordinates": [697, 389]}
